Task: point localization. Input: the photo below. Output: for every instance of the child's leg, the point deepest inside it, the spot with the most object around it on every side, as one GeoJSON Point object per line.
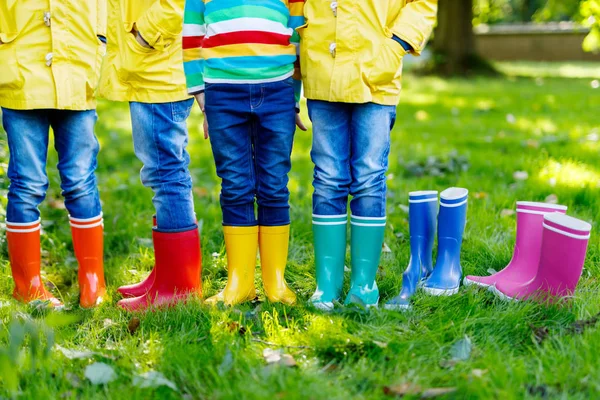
{"type": "Point", "coordinates": [274, 137]}
{"type": "Point", "coordinates": [228, 109]}
{"type": "Point", "coordinates": [77, 149]}
{"type": "Point", "coordinates": [331, 156]}
{"type": "Point", "coordinates": [371, 126]}
{"type": "Point", "coordinates": [160, 139]}
{"type": "Point", "coordinates": [27, 132]}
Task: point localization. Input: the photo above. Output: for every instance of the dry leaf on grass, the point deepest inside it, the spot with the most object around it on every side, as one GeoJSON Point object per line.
{"type": "Point", "coordinates": [133, 325]}
{"type": "Point", "coordinates": [551, 199]}
{"type": "Point", "coordinates": [278, 357]}
{"type": "Point", "coordinates": [385, 248]}
{"type": "Point", "coordinates": [436, 392]}
{"type": "Point", "coordinates": [100, 373]}
{"type": "Point", "coordinates": [402, 389]}
{"type": "Point", "coordinates": [520, 175]}
{"type": "Point", "coordinates": [507, 213]}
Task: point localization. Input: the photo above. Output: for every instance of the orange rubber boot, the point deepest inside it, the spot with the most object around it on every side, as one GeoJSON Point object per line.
{"type": "Point", "coordinates": [140, 288]}
{"type": "Point", "coordinates": [178, 267]}
{"type": "Point", "coordinates": [25, 263]}
{"type": "Point", "coordinates": [88, 243]}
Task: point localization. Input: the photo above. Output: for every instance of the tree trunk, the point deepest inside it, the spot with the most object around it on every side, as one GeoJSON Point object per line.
{"type": "Point", "coordinates": [454, 41]}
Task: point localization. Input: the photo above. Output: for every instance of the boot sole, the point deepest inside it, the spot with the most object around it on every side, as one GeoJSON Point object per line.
{"type": "Point", "coordinates": [501, 295]}
{"type": "Point", "coordinates": [468, 282]}
{"type": "Point", "coordinates": [440, 292]}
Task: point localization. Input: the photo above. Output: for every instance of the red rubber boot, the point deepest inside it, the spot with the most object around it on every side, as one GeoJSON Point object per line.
{"type": "Point", "coordinates": [140, 288]}
{"type": "Point", "coordinates": [177, 269]}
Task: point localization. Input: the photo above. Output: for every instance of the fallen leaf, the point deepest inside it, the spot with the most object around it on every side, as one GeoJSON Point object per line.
{"type": "Point", "coordinates": [72, 354]}
{"type": "Point", "coordinates": [153, 379]}
{"type": "Point", "coordinates": [478, 373]}
{"type": "Point", "coordinates": [278, 357]}
{"type": "Point", "coordinates": [74, 379]}
{"type": "Point", "coordinates": [551, 199]}
{"type": "Point", "coordinates": [421, 115]}
{"type": "Point", "coordinates": [581, 325]}
{"type": "Point", "coordinates": [402, 389]}
{"type": "Point", "coordinates": [510, 118]}
{"type": "Point", "coordinates": [133, 325]}
{"type": "Point", "coordinates": [520, 175]}
{"type": "Point", "coordinates": [436, 392]}
{"type": "Point", "coordinates": [532, 143]}
{"type": "Point", "coordinates": [382, 345]}
{"type": "Point", "coordinates": [200, 191]}
{"type": "Point", "coordinates": [145, 242]}
{"type": "Point", "coordinates": [507, 213]}
{"type": "Point", "coordinates": [100, 373]}
{"type": "Point", "coordinates": [108, 322]}
{"type": "Point", "coordinates": [481, 195]}
{"type": "Point", "coordinates": [385, 248]}
{"type": "Point", "coordinates": [461, 350]}
{"type": "Point", "coordinates": [539, 333]}
{"type": "Point", "coordinates": [272, 356]}
{"type": "Point", "coordinates": [57, 204]}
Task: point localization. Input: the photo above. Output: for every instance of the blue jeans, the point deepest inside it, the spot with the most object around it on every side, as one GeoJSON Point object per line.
{"type": "Point", "coordinates": [160, 139]}
{"type": "Point", "coordinates": [251, 133]}
{"type": "Point", "coordinates": [77, 148]}
{"type": "Point", "coordinates": [351, 144]}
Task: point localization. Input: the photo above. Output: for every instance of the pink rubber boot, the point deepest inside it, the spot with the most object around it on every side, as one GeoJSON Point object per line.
{"type": "Point", "coordinates": [564, 245]}
{"type": "Point", "coordinates": [526, 256]}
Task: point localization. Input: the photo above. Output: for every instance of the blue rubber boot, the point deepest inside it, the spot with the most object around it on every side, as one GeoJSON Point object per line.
{"type": "Point", "coordinates": [447, 273]}
{"type": "Point", "coordinates": [366, 242]}
{"type": "Point", "coordinates": [422, 213]}
{"type": "Point", "coordinates": [330, 255]}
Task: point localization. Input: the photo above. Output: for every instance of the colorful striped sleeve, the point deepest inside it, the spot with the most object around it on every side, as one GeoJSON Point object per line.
{"type": "Point", "coordinates": [194, 30]}
{"type": "Point", "coordinates": [296, 19]}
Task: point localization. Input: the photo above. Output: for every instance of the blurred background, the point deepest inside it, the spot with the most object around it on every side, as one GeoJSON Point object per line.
{"type": "Point", "coordinates": [479, 36]}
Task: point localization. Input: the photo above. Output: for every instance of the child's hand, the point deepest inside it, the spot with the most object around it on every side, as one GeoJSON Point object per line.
{"type": "Point", "coordinates": [201, 104]}
{"type": "Point", "coordinates": [300, 124]}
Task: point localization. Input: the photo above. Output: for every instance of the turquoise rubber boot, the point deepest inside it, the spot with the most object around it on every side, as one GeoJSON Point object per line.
{"type": "Point", "coordinates": [330, 254]}
{"type": "Point", "coordinates": [366, 242]}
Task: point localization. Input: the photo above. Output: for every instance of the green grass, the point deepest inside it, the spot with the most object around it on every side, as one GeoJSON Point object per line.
{"type": "Point", "coordinates": [548, 128]}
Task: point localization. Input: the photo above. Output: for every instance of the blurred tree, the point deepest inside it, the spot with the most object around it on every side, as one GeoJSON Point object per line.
{"type": "Point", "coordinates": [590, 12]}
{"type": "Point", "coordinates": [454, 40]}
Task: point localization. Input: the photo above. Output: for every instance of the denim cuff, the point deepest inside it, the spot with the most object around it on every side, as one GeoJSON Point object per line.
{"type": "Point", "coordinates": [179, 230]}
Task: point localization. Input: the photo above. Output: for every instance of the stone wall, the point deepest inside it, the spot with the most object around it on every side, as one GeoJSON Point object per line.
{"type": "Point", "coordinates": [533, 42]}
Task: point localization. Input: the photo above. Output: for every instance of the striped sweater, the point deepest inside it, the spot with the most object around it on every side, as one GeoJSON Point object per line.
{"type": "Point", "coordinates": [241, 41]}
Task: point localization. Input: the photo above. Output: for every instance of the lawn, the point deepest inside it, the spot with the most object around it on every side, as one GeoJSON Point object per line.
{"type": "Point", "coordinates": [475, 133]}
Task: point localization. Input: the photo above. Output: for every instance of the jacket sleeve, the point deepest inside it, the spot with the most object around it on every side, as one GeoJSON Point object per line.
{"type": "Point", "coordinates": [102, 18]}
{"type": "Point", "coordinates": [194, 30]}
{"type": "Point", "coordinates": [161, 23]}
{"type": "Point", "coordinates": [296, 19]}
{"type": "Point", "coordinates": [415, 23]}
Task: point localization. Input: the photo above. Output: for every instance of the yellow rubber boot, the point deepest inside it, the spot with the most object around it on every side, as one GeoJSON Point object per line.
{"type": "Point", "coordinates": [273, 241]}
{"type": "Point", "coordinates": [241, 245]}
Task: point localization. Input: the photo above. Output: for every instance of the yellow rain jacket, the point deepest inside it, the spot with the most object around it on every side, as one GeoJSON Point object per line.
{"type": "Point", "coordinates": [347, 53]}
{"type": "Point", "coordinates": [50, 54]}
{"type": "Point", "coordinates": [133, 72]}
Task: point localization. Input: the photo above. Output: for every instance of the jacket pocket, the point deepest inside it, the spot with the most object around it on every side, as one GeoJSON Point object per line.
{"type": "Point", "coordinates": [11, 76]}
{"type": "Point", "coordinates": [387, 66]}
{"type": "Point", "coordinates": [142, 65]}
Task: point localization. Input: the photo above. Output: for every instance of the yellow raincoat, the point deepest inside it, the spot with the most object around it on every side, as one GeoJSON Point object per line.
{"type": "Point", "coordinates": [133, 72]}
{"type": "Point", "coordinates": [50, 54]}
{"type": "Point", "coordinates": [346, 51]}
